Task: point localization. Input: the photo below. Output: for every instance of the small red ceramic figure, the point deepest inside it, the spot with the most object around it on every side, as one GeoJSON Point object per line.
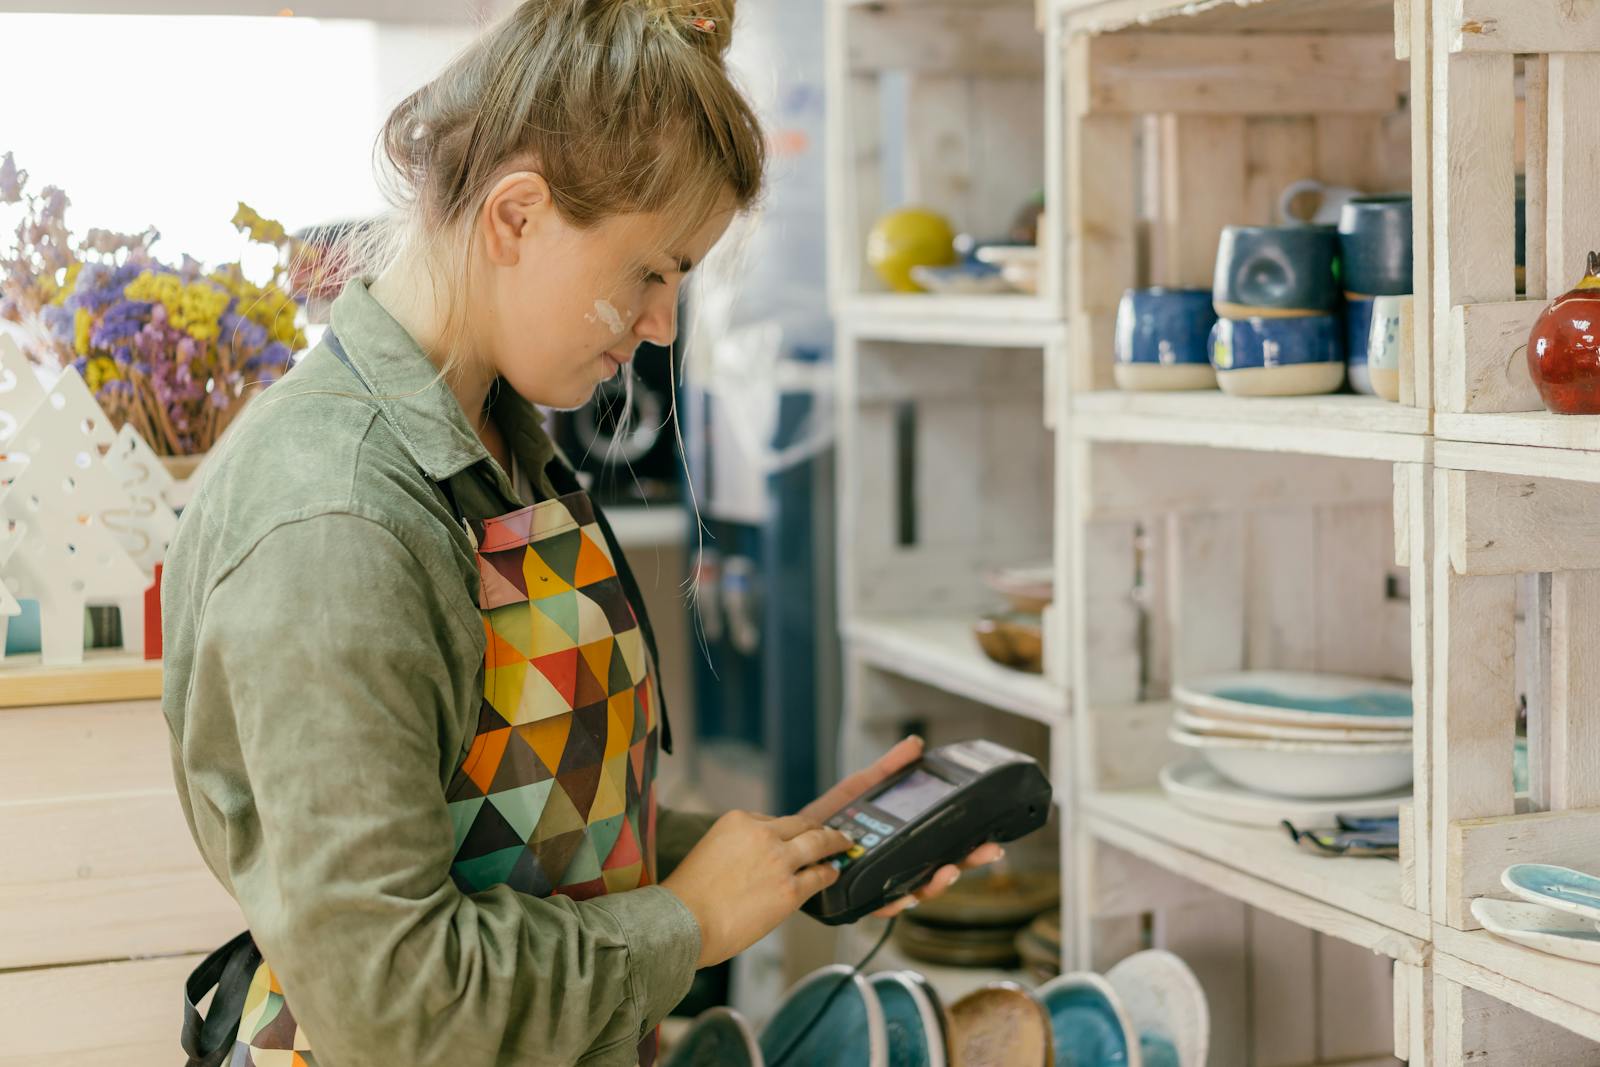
{"type": "Point", "coordinates": [1564, 348]}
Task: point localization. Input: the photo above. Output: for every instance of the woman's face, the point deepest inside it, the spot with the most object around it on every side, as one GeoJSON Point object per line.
{"type": "Point", "coordinates": [567, 307]}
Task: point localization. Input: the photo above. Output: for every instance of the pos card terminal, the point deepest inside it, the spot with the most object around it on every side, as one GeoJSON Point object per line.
{"type": "Point", "coordinates": [933, 812]}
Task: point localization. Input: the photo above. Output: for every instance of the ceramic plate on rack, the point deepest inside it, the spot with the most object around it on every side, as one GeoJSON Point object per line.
{"type": "Point", "coordinates": [1265, 731]}
{"type": "Point", "coordinates": [1561, 888]}
{"type": "Point", "coordinates": [1088, 1023]}
{"type": "Point", "coordinates": [1164, 1000]}
{"type": "Point", "coordinates": [1537, 927]}
{"type": "Point", "coordinates": [913, 1018]}
{"type": "Point", "coordinates": [1299, 699]}
{"type": "Point", "coordinates": [1304, 768]}
{"type": "Point", "coordinates": [1196, 786]}
{"type": "Point", "coordinates": [849, 1033]}
{"type": "Point", "coordinates": [717, 1038]}
{"type": "Point", "coordinates": [1000, 1025]}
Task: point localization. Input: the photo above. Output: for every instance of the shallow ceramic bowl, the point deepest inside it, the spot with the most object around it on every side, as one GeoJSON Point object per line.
{"type": "Point", "coordinates": [964, 279]}
{"type": "Point", "coordinates": [1539, 928]}
{"type": "Point", "coordinates": [1195, 786]}
{"type": "Point", "coordinates": [1088, 1023]}
{"type": "Point", "coordinates": [1019, 264]}
{"type": "Point", "coordinates": [1168, 1007]}
{"type": "Point", "coordinates": [1013, 640]}
{"type": "Point", "coordinates": [1000, 1025]}
{"type": "Point", "coordinates": [912, 1017]}
{"type": "Point", "coordinates": [1561, 888]}
{"type": "Point", "coordinates": [1297, 698]}
{"type": "Point", "coordinates": [1197, 723]}
{"type": "Point", "coordinates": [1029, 589]}
{"type": "Point", "coordinates": [1304, 768]}
{"type": "Point", "coordinates": [850, 1033]}
{"type": "Point", "coordinates": [718, 1038]}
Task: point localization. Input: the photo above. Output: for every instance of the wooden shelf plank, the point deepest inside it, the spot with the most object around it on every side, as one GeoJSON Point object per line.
{"type": "Point", "coordinates": [1000, 321]}
{"type": "Point", "coordinates": [1538, 429]}
{"type": "Point", "coordinates": [1557, 990]}
{"type": "Point", "coordinates": [944, 654]}
{"type": "Point", "coordinates": [1529, 461]}
{"type": "Point", "coordinates": [103, 677]}
{"type": "Point", "coordinates": [1356, 900]}
{"type": "Point", "coordinates": [1356, 427]}
{"type": "Point", "coordinates": [1225, 16]}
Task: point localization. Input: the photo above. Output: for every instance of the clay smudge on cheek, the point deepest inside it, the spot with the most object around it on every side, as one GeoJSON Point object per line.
{"type": "Point", "coordinates": [606, 312]}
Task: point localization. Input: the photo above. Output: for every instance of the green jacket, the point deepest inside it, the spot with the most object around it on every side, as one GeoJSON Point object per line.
{"type": "Point", "coordinates": [324, 669]}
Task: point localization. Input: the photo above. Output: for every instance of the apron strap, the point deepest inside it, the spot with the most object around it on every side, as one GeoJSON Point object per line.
{"type": "Point", "coordinates": [208, 1040]}
{"type": "Point", "coordinates": [565, 483]}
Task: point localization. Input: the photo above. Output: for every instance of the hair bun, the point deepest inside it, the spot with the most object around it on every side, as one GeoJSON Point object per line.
{"type": "Point", "coordinates": [699, 21]}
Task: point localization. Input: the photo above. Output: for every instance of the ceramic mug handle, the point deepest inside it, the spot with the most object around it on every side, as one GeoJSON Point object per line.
{"type": "Point", "coordinates": [1287, 198]}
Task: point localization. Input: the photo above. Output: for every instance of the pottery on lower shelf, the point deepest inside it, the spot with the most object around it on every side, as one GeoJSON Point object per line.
{"type": "Point", "coordinates": [1029, 589]}
{"type": "Point", "coordinates": [1167, 1006]}
{"type": "Point", "coordinates": [719, 1037]}
{"type": "Point", "coordinates": [1088, 1024]}
{"type": "Point", "coordinates": [1561, 888]}
{"type": "Point", "coordinates": [1162, 340]}
{"type": "Point", "coordinates": [1564, 348]}
{"type": "Point", "coordinates": [1000, 1025]}
{"type": "Point", "coordinates": [913, 1019]}
{"type": "Point", "coordinates": [1019, 264]}
{"type": "Point", "coordinates": [850, 1033]}
{"type": "Point", "coordinates": [1196, 787]}
{"type": "Point", "coordinates": [1321, 769]}
{"type": "Point", "coordinates": [1539, 928]}
{"type": "Point", "coordinates": [968, 278]}
{"type": "Point", "coordinates": [1198, 723]}
{"type": "Point", "coordinates": [1299, 698]}
{"type": "Point", "coordinates": [1012, 639]}
{"type": "Point", "coordinates": [1300, 356]}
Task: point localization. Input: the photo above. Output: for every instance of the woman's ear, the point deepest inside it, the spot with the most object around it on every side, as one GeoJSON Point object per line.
{"type": "Point", "coordinates": [518, 207]}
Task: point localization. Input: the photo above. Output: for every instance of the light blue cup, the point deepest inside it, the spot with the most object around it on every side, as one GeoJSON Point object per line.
{"type": "Point", "coordinates": [1297, 356]}
{"type": "Point", "coordinates": [718, 1038]}
{"type": "Point", "coordinates": [1561, 888]}
{"type": "Point", "coordinates": [912, 1019]}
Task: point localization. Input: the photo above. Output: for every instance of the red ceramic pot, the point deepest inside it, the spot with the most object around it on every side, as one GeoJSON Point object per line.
{"type": "Point", "coordinates": [1564, 348]}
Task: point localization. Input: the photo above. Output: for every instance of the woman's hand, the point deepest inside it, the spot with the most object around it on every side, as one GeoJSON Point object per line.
{"type": "Point", "coordinates": [906, 752]}
{"type": "Point", "coordinates": [748, 874]}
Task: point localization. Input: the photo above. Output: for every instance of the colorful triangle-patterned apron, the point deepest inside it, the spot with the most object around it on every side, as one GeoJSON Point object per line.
{"type": "Point", "coordinates": [557, 792]}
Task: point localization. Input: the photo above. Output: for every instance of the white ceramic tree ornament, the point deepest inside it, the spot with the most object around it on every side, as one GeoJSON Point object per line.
{"type": "Point", "coordinates": [20, 394]}
{"type": "Point", "coordinates": [68, 557]}
{"type": "Point", "coordinates": [147, 530]}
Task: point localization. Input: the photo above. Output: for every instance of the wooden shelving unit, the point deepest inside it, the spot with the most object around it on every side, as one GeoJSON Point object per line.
{"type": "Point", "coordinates": [1450, 539]}
{"type": "Point", "coordinates": [105, 676]}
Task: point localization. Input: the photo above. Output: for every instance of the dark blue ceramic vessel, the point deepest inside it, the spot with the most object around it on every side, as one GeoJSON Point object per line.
{"type": "Point", "coordinates": [1375, 245]}
{"type": "Point", "coordinates": [1276, 270]}
{"type": "Point", "coordinates": [1164, 326]}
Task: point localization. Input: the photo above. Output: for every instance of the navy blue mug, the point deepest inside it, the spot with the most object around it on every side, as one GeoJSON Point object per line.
{"type": "Point", "coordinates": [1279, 356]}
{"type": "Point", "coordinates": [1164, 326]}
{"type": "Point", "coordinates": [1375, 245]}
{"type": "Point", "coordinates": [1271, 271]}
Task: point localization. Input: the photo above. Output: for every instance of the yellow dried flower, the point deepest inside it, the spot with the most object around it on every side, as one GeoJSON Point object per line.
{"type": "Point", "coordinates": [81, 322]}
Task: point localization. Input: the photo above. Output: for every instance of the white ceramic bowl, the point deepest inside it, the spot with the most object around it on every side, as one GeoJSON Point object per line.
{"type": "Point", "coordinates": [1293, 698]}
{"type": "Point", "coordinates": [1195, 786]}
{"type": "Point", "coordinates": [1303, 768]}
{"type": "Point", "coordinates": [1200, 723]}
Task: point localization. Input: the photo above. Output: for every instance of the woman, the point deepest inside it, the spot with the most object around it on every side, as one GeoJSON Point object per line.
{"type": "Point", "coordinates": [409, 677]}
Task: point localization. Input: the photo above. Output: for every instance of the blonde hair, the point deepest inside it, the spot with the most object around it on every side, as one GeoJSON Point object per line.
{"type": "Point", "coordinates": [624, 106]}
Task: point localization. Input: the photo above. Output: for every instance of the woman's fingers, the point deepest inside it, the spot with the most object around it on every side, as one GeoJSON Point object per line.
{"type": "Point", "coordinates": [907, 751]}
{"type": "Point", "coordinates": [809, 881]}
{"type": "Point", "coordinates": [983, 856]}
{"type": "Point", "coordinates": [816, 845]}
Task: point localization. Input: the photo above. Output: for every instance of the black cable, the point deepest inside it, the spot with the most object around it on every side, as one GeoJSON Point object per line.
{"type": "Point", "coordinates": [844, 980]}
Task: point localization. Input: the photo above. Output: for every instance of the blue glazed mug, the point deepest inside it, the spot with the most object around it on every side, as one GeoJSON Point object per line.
{"type": "Point", "coordinates": [1358, 331]}
{"type": "Point", "coordinates": [1276, 271]}
{"type": "Point", "coordinates": [1279, 357]}
{"type": "Point", "coordinates": [1164, 326]}
{"type": "Point", "coordinates": [1375, 245]}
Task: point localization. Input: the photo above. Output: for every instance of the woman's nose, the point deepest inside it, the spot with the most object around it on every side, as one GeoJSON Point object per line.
{"type": "Point", "coordinates": [659, 323]}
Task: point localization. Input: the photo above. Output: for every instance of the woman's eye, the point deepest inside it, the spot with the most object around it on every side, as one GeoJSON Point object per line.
{"type": "Point", "coordinates": [652, 278]}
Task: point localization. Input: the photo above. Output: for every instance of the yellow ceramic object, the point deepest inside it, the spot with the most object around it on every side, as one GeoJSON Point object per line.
{"type": "Point", "coordinates": [910, 237]}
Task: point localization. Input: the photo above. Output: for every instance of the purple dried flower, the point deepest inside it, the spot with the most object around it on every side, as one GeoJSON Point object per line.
{"type": "Point", "coordinates": [11, 180]}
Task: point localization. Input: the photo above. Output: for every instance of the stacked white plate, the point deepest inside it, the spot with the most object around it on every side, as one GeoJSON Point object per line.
{"type": "Point", "coordinates": [1274, 745]}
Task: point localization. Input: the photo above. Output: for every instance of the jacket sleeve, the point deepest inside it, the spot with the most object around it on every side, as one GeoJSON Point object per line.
{"type": "Point", "coordinates": [340, 843]}
{"type": "Point", "coordinates": [676, 833]}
